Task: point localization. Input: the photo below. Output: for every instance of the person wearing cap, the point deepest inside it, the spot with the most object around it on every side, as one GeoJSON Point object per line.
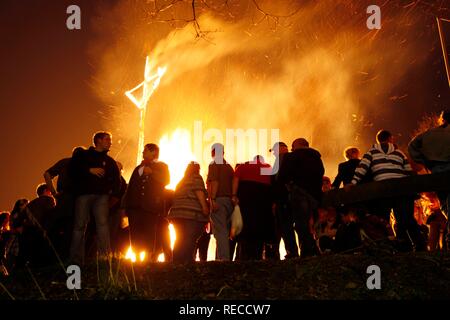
{"type": "Point", "coordinates": [219, 185]}
{"type": "Point", "coordinates": [302, 171]}
{"type": "Point", "coordinates": [283, 214]}
{"type": "Point", "coordinates": [432, 149]}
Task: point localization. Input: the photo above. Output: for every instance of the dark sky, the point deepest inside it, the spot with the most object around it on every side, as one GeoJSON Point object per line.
{"type": "Point", "coordinates": [47, 105]}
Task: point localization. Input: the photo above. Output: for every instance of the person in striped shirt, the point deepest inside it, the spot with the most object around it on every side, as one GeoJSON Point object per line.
{"type": "Point", "coordinates": [385, 161]}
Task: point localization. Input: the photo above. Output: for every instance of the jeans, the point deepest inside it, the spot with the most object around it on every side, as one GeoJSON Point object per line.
{"type": "Point", "coordinates": [188, 233]}
{"type": "Point", "coordinates": [221, 225]}
{"type": "Point", "coordinates": [98, 204]}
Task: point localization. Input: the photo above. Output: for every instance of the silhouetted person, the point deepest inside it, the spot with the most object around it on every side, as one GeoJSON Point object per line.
{"type": "Point", "coordinates": [18, 219]}
{"type": "Point", "coordinates": [115, 215]}
{"type": "Point", "coordinates": [385, 161]}
{"type": "Point", "coordinates": [40, 219]}
{"type": "Point", "coordinates": [431, 149]}
{"type": "Point", "coordinates": [145, 206]}
{"type": "Point", "coordinates": [219, 184]}
{"type": "Point", "coordinates": [64, 194]}
{"type": "Point", "coordinates": [189, 214]}
{"type": "Point", "coordinates": [283, 212]}
{"type": "Point", "coordinates": [96, 177]}
{"type": "Point", "coordinates": [346, 169]}
{"type": "Point", "coordinates": [302, 170]}
{"type": "Point", "coordinates": [251, 189]}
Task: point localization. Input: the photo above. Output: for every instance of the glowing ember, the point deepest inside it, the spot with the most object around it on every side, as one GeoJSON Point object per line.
{"type": "Point", "coordinates": [176, 152]}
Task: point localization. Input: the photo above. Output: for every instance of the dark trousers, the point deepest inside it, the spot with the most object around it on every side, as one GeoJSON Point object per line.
{"type": "Point", "coordinates": [407, 228]}
{"type": "Point", "coordinates": [250, 249]}
{"type": "Point", "coordinates": [61, 233]}
{"type": "Point", "coordinates": [203, 245]}
{"type": "Point", "coordinates": [304, 207]}
{"type": "Point", "coordinates": [285, 223]}
{"type": "Point", "coordinates": [188, 232]}
{"type": "Point", "coordinates": [150, 232]}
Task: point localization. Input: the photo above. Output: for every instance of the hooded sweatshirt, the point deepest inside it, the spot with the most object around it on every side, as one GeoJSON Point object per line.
{"type": "Point", "coordinates": [383, 164]}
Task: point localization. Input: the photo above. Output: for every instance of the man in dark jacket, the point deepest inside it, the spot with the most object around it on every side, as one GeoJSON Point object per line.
{"type": "Point", "coordinates": [302, 171]}
{"type": "Point", "coordinates": [96, 177]}
{"type": "Point", "coordinates": [283, 212]}
{"type": "Point", "coordinates": [144, 203]}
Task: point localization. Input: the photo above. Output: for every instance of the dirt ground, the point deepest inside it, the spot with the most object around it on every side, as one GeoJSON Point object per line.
{"type": "Point", "coordinates": [337, 276]}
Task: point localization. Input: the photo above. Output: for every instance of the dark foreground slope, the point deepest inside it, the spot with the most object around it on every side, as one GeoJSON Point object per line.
{"type": "Point", "coordinates": [342, 276]}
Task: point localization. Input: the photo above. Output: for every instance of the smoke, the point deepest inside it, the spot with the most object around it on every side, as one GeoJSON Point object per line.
{"type": "Point", "coordinates": [310, 69]}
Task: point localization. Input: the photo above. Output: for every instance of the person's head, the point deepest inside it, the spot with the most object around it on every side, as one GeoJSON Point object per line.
{"type": "Point", "coordinates": [193, 168]}
{"type": "Point", "coordinates": [444, 118]}
{"type": "Point", "coordinates": [351, 153]}
{"type": "Point", "coordinates": [299, 144]}
{"type": "Point", "coordinates": [20, 205]}
{"type": "Point", "coordinates": [217, 152]}
{"type": "Point", "coordinates": [279, 148]}
{"type": "Point", "coordinates": [77, 150]}
{"type": "Point", "coordinates": [102, 140]}
{"type": "Point", "coordinates": [384, 136]}
{"type": "Point", "coordinates": [151, 152]}
{"type": "Point", "coordinates": [326, 184]}
{"type": "Point", "coordinates": [43, 190]}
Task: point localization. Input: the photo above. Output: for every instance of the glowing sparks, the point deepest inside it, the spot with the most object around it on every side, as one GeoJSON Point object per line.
{"type": "Point", "coordinates": [176, 152]}
{"type": "Point", "coordinates": [149, 85]}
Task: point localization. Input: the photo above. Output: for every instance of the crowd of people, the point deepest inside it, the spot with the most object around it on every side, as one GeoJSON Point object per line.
{"type": "Point", "coordinates": [83, 215]}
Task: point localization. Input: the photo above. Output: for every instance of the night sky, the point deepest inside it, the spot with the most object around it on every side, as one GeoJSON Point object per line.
{"type": "Point", "coordinates": [48, 106]}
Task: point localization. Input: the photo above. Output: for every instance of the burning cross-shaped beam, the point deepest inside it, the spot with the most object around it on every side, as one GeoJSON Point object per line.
{"type": "Point", "coordinates": [444, 47]}
{"type": "Point", "coordinates": [149, 85]}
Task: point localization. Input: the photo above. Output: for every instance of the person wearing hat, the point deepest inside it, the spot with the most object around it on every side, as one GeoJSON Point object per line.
{"type": "Point", "coordinates": [283, 214]}
{"type": "Point", "coordinates": [432, 149]}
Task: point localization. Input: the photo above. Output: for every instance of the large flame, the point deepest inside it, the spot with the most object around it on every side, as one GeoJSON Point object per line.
{"type": "Point", "coordinates": [175, 151]}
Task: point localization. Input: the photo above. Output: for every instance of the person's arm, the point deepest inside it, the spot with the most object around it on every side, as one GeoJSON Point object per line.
{"type": "Point", "coordinates": [202, 199]}
{"type": "Point", "coordinates": [235, 186]}
{"type": "Point", "coordinates": [213, 186]}
{"type": "Point", "coordinates": [406, 166]}
{"type": "Point", "coordinates": [414, 149]}
{"type": "Point", "coordinates": [362, 169]}
{"type": "Point", "coordinates": [116, 181]}
{"type": "Point", "coordinates": [161, 176]}
{"type": "Point", "coordinates": [49, 181]}
{"type": "Point", "coordinates": [339, 178]}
